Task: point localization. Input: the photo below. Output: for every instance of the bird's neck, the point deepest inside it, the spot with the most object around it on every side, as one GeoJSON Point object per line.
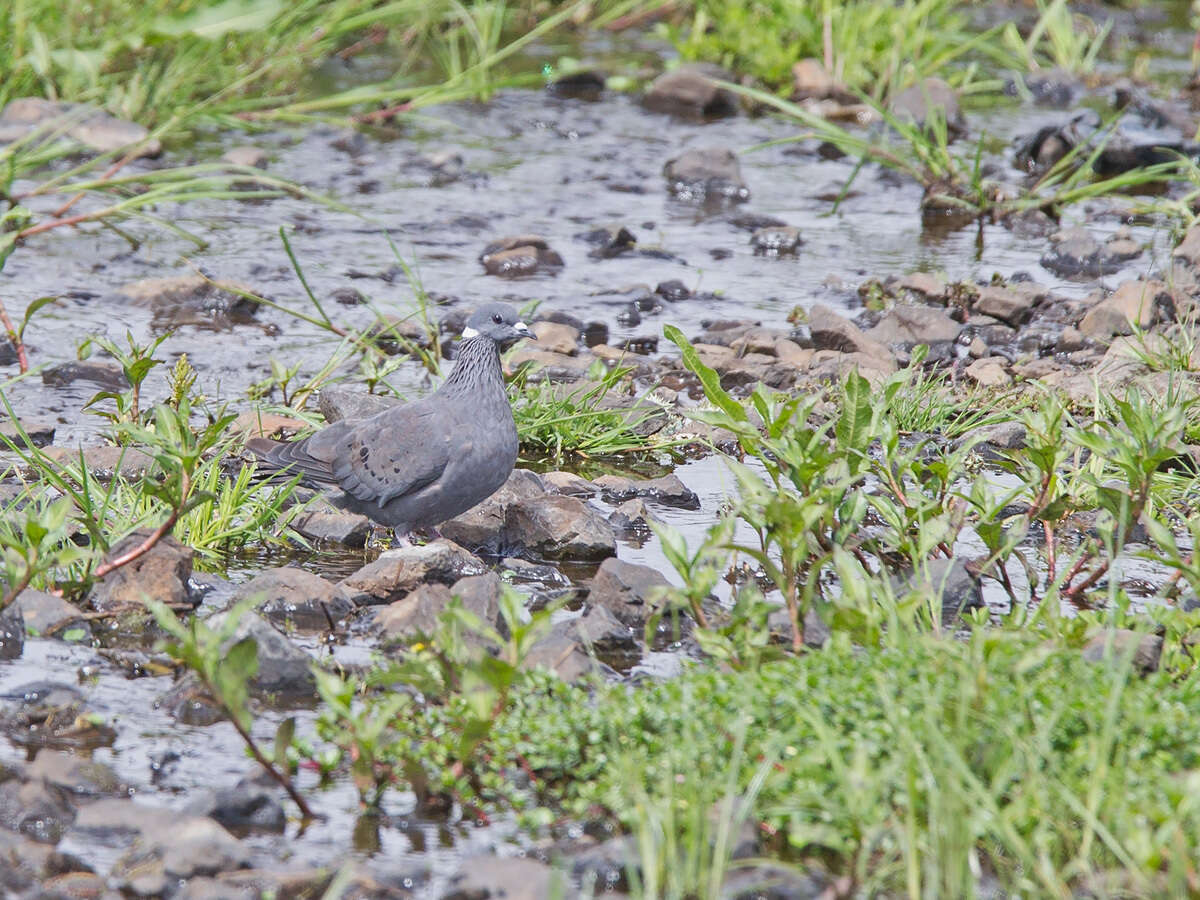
{"type": "Point", "coordinates": [477, 363]}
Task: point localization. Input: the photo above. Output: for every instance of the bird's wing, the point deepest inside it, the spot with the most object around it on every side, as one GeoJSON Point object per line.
{"type": "Point", "coordinates": [311, 458]}
{"type": "Point", "coordinates": [391, 454]}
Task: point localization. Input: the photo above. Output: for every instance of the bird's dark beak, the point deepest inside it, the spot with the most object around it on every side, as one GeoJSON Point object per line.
{"type": "Point", "coordinates": [522, 329]}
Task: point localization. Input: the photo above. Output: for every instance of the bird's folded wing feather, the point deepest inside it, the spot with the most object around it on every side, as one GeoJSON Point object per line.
{"type": "Point", "coordinates": [392, 454]}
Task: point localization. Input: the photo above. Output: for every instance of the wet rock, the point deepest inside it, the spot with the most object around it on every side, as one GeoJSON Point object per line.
{"type": "Point", "coordinates": [582, 84]}
{"type": "Point", "coordinates": [609, 241]}
{"type": "Point", "coordinates": [51, 714]}
{"type": "Point", "coordinates": [256, 423]}
{"type": "Point", "coordinates": [1077, 253]}
{"type": "Point", "coordinates": [557, 527]}
{"type": "Point", "coordinates": [771, 882]}
{"type": "Point", "coordinates": [189, 703]}
{"type": "Point", "coordinates": [668, 490]}
{"type": "Point", "coordinates": [189, 300]}
{"type": "Point", "coordinates": [949, 579]}
{"type": "Point", "coordinates": [928, 97]}
{"type": "Point", "coordinates": [1188, 250]}
{"type": "Point", "coordinates": [35, 809]}
{"type": "Point", "coordinates": [672, 291]}
{"type": "Point", "coordinates": [48, 615]}
{"type": "Point", "coordinates": [631, 517]}
{"type": "Point", "coordinates": [923, 284]}
{"type": "Point", "coordinates": [811, 81]}
{"type": "Point", "coordinates": [604, 868]}
{"type": "Point", "coordinates": [556, 338]}
{"type": "Point", "coordinates": [24, 863]}
{"type": "Point", "coordinates": [691, 90]}
{"type": "Point", "coordinates": [397, 572]}
{"type": "Point", "coordinates": [396, 335]}
{"type": "Point", "coordinates": [107, 375]}
{"type": "Point", "coordinates": [417, 613]}
{"type": "Point", "coordinates": [74, 775]}
{"type": "Point", "coordinates": [776, 240]}
{"type": "Point", "coordinates": [326, 527]}
{"type": "Point", "coordinates": [338, 403]}
{"type": "Point", "coordinates": [249, 157]}
{"type": "Point", "coordinates": [41, 434]}
{"type": "Point", "coordinates": [552, 366]}
{"type": "Point", "coordinates": [103, 463]}
{"type": "Point", "coordinates": [564, 654]}
{"type": "Point", "coordinates": [627, 590]}
{"type": "Point", "coordinates": [283, 668]}
{"type": "Point", "coordinates": [12, 633]}
{"type": "Point", "coordinates": [907, 325]}
{"type": "Point", "coordinates": [8, 352]}
{"type": "Point", "coordinates": [482, 526]}
{"type": "Point", "coordinates": [832, 365]}
{"type": "Point", "coordinates": [93, 128]}
{"type": "Point", "coordinates": [1048, 145]}
{"type": "Point", "coordinates": [163, 844]}
{"type": "Point", "coordinates": [1001, 436]}
{"type": "Point", "coordinates": [519, 256]}
{"type": "Point", "coordinates": [1007, 305]}
{"type": "Point", "coordinates": [989, 372]}
{"type": "Point", "coordinates": [568, 483]}
{"type": "Point", "coordinates": [706, 175]}
{"type": "Point", "coordinates": [251, 805]}
{"type": "Point", "coordinates": [816, 632]}
{"type": "Point", "coordinates": [600, 631]}
{"type": "Point", "coordinates": [161, 573]}
{"type": "Point", "coordinates": [831, 331]}
{"type": "Point", "coordinates": [1134, 304]}
{"type": "Point", "coordinates": [297, 599]}
{"type": "Point", "coordinates": [1113, 645]}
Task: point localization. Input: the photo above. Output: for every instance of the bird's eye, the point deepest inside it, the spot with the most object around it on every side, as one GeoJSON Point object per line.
{"type": "Point", "coordinates": [497, 318]}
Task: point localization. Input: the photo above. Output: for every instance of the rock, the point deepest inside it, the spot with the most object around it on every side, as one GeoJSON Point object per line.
{"type": "Point", "coordinates": [581, 84]}
{"type": "Point", "coordinates": [41, 434]}
{"type": "Point", "coordinates": [632, 516]}
{"type": "Point", "coordinates": [1077, 253]}
{"type": "Point", "coordinates": [257, 423]}
{"type": "Point", "coordinates": [24, 862]}
{"type": "Point", "coordinates": [397, 572]}
{"type": "Point", "coordinates": [918, 103]}
{"type": "Point", "coordinates": [557, 527]}
{"type": "Point", "coordinates": [667, 490]}
{"type": "Point", "coordinates": [553, 366]}
{"type": "Point", "coordinates": [35, 809]}
{"type": "Point", "coordinates": [482, 526]}
{"type": "Point", "coordinates": [1038, 153]}
{"type": "Point", "coordinates": [283, 668]}
{"type": "Point", "coordinates": [672, 291]}
{"type": "Point", "coordinates": [605, 867]}
{"type": "Point", "coordinates": [831, 331]}
{"type": "Point", "coordinates": [519, 256]}
{"type": "Point", "coordinates": [1006, 305]}
{"type": "Point", "coordinates": [78, 777]}
{"type": "Point", "coordinates": [93, 128]}
{"type": "Point", "coordinates": [296, 598]}
{"type": "Point", "coordinates": [990, 372]}
{"type": "Point", "coordinates": [767, 881]}
{"type": "Point", "coordinates": [926, 285]}
{"type": "Point", "coordinates": [417, 613]}
{"type": "Point", "coordinates": [833, 365]}
{"type": "Point", "coordinates": [709, 174]}
{"type": "Point", "coordinates": [562, 653]}
{"type": "Point", "coordinates": [190, 300]}
{"type": "Point", "coordinates": [776, 240]}
{"type": "Point", "coordinates": [338, 403]}
{"type": "Point", "coordinates": [909, 325]}
{"type": "Point", "coordinates": [1188, 251]}
{"type": "Point", "coordinates": [811, 81]}
{"type": "Point", "coordinates": [107, 375]}
{"type": "Point", "coordinates": [1134, 304]}
{"type": "Point", "coordinates": [691, 90]}
{"type": "Point", "coordinates": [161, 573]}
{"type": "Point", "coordinates": [103, 463]}
{"type": "Point", "coordinates": [12, 633]}
{"type": "Point", "coordinates": [601, 631]}
{"type": "Point", "coordinates": [556, 338]}
{"type": "Point", "coordinates": [251, 805]}
{"type": "Point", "coordinates": [949, 579]}
{"type": "Point", "coordinates": [334, 527]}
{"type": "Point", "coordinates": [568, 483]}
{"type": "Point", "coordinates": [48, 615]}
{"type": "Point", "coordinates": [627, 590]}
{"type": "Point", "coordinates": [1112, 645]}
{"type": "Point", "coordinates": [249, 157]}
{"type": "Point", "coordinates": [50, 714]}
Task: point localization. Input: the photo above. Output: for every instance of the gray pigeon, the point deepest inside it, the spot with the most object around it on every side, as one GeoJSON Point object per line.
{"type": "Point", "coordinates": [422, 463]}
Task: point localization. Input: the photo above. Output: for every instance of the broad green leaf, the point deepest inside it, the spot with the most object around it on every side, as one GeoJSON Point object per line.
{"type": "Point", "coordinates": [216, 21]}
{"type": "Point", "coordinates": [709, 379]}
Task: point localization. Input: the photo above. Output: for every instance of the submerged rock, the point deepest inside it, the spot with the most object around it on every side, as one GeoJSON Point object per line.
{"type": "Point", "coordinates": [41, 434]}
{"type": "Point", "coordinates": [251, 805]}
{"type": "Point", "coordinates": [919, 103]}
{"type": "Point", "coordinates": [519, 256]}
{"type": "Point", "coordinates": [668, 490]}
{"type": "Point", "coordinates": [948, 579]}
{"type": "Point", "coordinates": [283, 668]}
{"type": "Point", "coordinates": [297, 599]}
{"type": "Point", "coordinates": [776, 240]}
{"type": "Point", "coordinates": [691, 90]}
{"type": "Point", "coordinates": [706, 175]}
{"type": "Point", "coordinates": [191, 300]}
{"type": "Point", "coordinates": [48, 615]}
{"type": "Point", "coordinates": [108, 375]}
{"type": "Point", "coordinates": [92, 127]}
{"type": "Point", "coordinates": [12, 633]}
{"type": "Point", "coordinates": [1077, 253]}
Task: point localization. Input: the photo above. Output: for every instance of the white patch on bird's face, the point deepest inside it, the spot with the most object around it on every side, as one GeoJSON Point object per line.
{"type": "Point", "coordinates": [470, 332]}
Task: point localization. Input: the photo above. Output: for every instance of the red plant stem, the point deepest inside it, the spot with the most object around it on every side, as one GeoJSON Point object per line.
{"type": "Point", "coordinates": [109, 173]}
{"type": "Point", "coordinates": [22, 359]}
{"type": "Point", "coordinates": [157, 535]}
{"type": "Point", "coordinates": [386, 113]}
{"type": "Point", "coordinates": [57, 223]}
{"type": "Point", "coordinates": [280, 778]}
{"type": "Point", "coordinates": [1050, 560]}
{"type": "Point", "coordinates": [16, 589]}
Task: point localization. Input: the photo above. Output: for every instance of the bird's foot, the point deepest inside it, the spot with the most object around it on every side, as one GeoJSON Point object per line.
{"type": "Point", "coordinates": [384, 538]}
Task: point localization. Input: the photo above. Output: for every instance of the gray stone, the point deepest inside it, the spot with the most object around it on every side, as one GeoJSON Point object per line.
{"type": "Point", "coordinates": [914, 325]}
{"type": "Point", "coordinates": [1004, 304]}
{"type": "Point", "coordinates": [1112, 646]}
{"type": "Point", "coordinates": [568, 483]}
{"type": "Point", "coordinates": [49, 615]}
{"type": "Point", "coordinates": [191, 292]}
{"type": "Point", "coordinates": [832, 331]}
{"type": "Point", "coordinates": [12, 633]}
{"type": "Point", "coordinates": [482, 527]}
{"type": "Point", "coordinates": [251, 805]}
{"type": "Point", "coordinates": [161, 573]}
{"type": "Point", "coordinates": [77, 776]}
{"type": "Point", "coordinates": [949, 579]}
{"type": "Point", "coordinates": [249, 157]}
{"type": "Point", "coordinates": [1134, 304]}
{"type": "Point", "coordinates": [397, 572]}
{"type": "Point", "coordinates": [40, 434]}
{"type": "Point", "coordinates": [991, 371]}
{"type": "Point", "coordinates": [283, 668]}
{"type": "Point", "coordinates": [556, 337]}
{"type": "Point", "coordinates": [107, 375]}
{"type": "Point", "coordinates": [627, 590]}
{"type": "Point", "coordinates": [35, 809]}
{"type": "Point", "coordinates": [667, 490]}
{"type": "Point", "coordinates": [546, 365]}
{"type": "Point", "coordinates": [917, 103]}
{"type": "Point", "coordinates": [296, 598]}
{"type": "Point", "coordinates": [519, 256]}
{"type": "Point", "coordinates": [563, 654]}
{"type": "Point", "coordinates": [691, 91]}
{"type": "Point", "coordinates": [772, 882]}
{"type": "Point", "coordinates": [506, 878]}
{"type": "Point", "coordinates": [556, 527]}
{"type": "Point", "coordinates": [631, 516]}
{"type": "Point", "coordinates": [417, 613]}
{"type": "Point", "coordinates": [705, 175]}
{"type": "Point", "coordinates": [1077, 253]}
{"type": "Point", "coordinates": [776, 240]}
{"type": "Point", "coordinates": [334, 527]}
{"type": "Point", "coordinates": [93, 128]}
{"type": "Point", "coordinates": [104, 463]}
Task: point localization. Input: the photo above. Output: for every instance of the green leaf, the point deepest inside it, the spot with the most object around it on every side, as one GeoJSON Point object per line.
{"type": "Point", "coordinates": [853, 431]}
{"type": "Point", "coordinates": [283, 740]}
{"type": "Point", "coordinates": [709, 379]}
{"type": "Point", "coordinates": [216, 21]}
{"type": "Point", "coordinates": [30, 310]}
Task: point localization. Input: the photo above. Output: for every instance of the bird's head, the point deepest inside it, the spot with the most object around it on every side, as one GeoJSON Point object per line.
{"type": "Point", "coordinates": [497, 321]}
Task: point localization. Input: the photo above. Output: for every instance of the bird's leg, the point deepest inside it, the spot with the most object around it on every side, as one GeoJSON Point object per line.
{"type": "Point", "coordinates": [381, 538]}
{"type": "Point", "coordinates": [401, 538]}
